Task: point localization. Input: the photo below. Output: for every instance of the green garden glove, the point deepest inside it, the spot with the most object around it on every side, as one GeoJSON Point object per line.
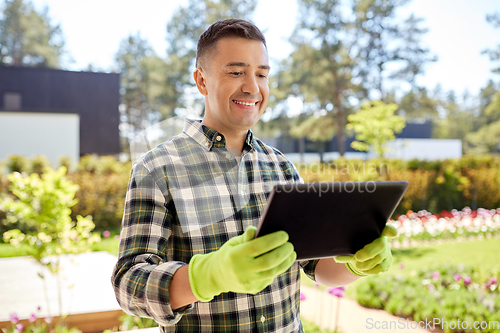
{"type": "Point", "coordinates": [374, 258]}
{"type": "Point", "coordinates": [242, 265]}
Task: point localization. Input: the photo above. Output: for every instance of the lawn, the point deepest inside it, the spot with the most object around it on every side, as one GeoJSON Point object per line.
{"type": "Point", "coordinates": [478, 253]}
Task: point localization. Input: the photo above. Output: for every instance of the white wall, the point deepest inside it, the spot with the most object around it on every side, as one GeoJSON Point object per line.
{"type": "Point", "coordinates": [424, 149]}
{"type": "Point", "coordinates": [34, 133]}
{"type": "Point", "coordinates": [405, 149]}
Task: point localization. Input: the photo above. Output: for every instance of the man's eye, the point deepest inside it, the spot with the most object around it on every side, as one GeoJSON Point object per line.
{"type": "Point", "coordinates": [236, 73]}
{"type": "Point", "coordinates": [263, 76]}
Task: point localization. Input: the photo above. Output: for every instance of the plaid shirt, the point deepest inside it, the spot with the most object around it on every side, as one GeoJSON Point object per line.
{"type": "Point", "coordinates": [189, 196]}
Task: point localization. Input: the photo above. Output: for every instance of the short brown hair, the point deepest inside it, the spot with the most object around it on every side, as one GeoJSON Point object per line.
{"type": "Point", "coordinates": [223, 29]}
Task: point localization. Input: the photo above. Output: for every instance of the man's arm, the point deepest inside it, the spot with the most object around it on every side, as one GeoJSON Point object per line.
{"type": "Point", "coordinates": [180, 290]}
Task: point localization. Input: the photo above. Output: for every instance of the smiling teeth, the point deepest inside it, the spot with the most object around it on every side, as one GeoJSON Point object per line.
{"type": "Point", "coordinates": [244, 103]}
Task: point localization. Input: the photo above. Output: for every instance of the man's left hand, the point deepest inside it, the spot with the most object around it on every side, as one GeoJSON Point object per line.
{"type": "Point", "coordinates": [374, 258]}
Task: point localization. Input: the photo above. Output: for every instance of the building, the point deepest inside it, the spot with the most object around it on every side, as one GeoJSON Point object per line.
{"type": "Point", "coordinates": [58, 113]}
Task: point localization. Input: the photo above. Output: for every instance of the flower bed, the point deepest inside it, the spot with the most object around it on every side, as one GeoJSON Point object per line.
{"type": "Point", "coordinates": [448, 294]}
{"type": "Point", "coordinates": [423, 225]}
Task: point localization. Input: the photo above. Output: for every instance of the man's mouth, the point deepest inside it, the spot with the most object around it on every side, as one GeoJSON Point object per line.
{"type": "Point", "coordinates": [245, 103]}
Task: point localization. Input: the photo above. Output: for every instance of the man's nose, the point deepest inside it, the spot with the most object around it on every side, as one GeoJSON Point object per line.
{"type": "Point", "coordinates": [250, 85]}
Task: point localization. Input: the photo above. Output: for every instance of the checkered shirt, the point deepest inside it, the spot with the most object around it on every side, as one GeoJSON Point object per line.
{"type": "Point", "coordinates": [189, 196]}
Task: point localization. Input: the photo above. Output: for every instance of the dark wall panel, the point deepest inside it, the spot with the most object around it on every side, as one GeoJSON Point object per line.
{"type": "Point", "coordinates": [94, 96]}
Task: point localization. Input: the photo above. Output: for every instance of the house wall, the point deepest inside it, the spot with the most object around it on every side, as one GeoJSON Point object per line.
{"type": "Point", "coordinates": [30, 134]}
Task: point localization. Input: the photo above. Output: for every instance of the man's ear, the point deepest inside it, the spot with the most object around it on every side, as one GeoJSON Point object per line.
{"type": "Point", "coordinates": [201, 83]}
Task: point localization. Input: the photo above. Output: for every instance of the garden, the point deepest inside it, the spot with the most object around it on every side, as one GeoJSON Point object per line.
{"type": "Point", "coordinates": [445, 257]}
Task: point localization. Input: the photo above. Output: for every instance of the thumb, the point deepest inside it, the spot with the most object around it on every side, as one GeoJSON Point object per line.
{"type": "Point", "coordinates": [249, 233]}
{"type": "Point", "coordinates": [389, 231]}
{"type": "Point", "coordinates": [343, 259]}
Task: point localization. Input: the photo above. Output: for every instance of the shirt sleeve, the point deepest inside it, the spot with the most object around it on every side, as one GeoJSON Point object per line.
{"type": "Point", "coordinates": [142, 275]}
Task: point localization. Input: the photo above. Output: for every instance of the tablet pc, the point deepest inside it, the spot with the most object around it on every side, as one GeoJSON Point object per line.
{"type": "Point", "coordinates": [330, 219]}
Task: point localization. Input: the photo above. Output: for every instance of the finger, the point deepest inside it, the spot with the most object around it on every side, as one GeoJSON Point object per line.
{"type": "Point", "coordinates": [264, 244]}
{"type": "Point", "coordinates": [281, 268]}
{"type": "Point", "coordinates": [372, 250]}
{"type": "Point", "coordinates": [273, 258]}
{"type": "Point", "coordinates": [382, 267]}
{"type": "Point", "coordinates": [389, 231]}
{"type": "Point", "coordinates": [371, 263]}
{"type": "Point", "coordinates": [343, 259]}
{"type": "Point", "coordinates": [249, 233]}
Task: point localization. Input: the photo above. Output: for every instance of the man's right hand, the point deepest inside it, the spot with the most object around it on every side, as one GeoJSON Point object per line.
{"type": "Point", "coordinates": [242, 265]}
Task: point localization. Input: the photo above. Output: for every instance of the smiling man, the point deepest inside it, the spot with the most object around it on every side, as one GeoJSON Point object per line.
{"type": "Point", "coordinates": [188, 257]}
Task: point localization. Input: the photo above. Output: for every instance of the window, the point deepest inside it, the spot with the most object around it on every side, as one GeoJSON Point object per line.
{"type": "Point", "coordinates": [12, 101]}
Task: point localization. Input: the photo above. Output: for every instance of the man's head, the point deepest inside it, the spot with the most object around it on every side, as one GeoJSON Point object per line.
{"type": "Point", "coordinates": [232, 73]}
{"type": "Point", "coordinates": [225, 29]}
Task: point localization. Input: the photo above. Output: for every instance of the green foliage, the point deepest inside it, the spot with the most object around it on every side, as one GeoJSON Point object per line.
{"type": "Point", "coordinates": [375, 125]}
{"type": "Point", "coordinates": [27, 38]}
{"type": "Point", "coordinates": [18, 163]}
{"type": "Point", "coordinates": [133, 323]}
{"type": "Point", "coordinates": [42, 327]}
{"type": "Point", "coordinates": [441, 292]}
{"type": "Point", "coordinates": [310, 327]}
{"type": "Point", "coordinates": [434, 185]}
{"type": "Point", "coordinates": [42, 210]}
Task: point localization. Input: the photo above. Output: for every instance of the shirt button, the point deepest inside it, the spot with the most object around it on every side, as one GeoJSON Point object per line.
{"type": "Point", "coordinates": [262, 319]}
{"type": "Point", "coordinates": [218, 138]}
{"type": "Point", "coordinates": [228, 156]}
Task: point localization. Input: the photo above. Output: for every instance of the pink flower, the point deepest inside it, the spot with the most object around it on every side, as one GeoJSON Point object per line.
{"type": "Point", "coordinates": [457, 277]}
{"type": "Point", "coordinates": [14, 318]}
{"type": "Point", "coordinates": [117, 237]}
{"type": "Point", "coordinates": [106, 234]}
{"type": "Point", "coordinates": [48, 320]}
{"type": "Point", "coordinates": [435, 275]}
{"type": "Point", "coordinates": [401, 265]}
{"type": "Point", "coordinates": [20, 327]}
{"type": "Point", "coordinates": [317, 284]}
{"type": "Point", "coordinates": [494, 280]}
{"type": "Point", "coordinates": [431, 287]}
{"type": "Point", "coordinates": [467, 280]}
{"type": "Point", "coordinates": [337, 292]}
{"type": "Point", "coordinates": [302, 297]}
{"type": "Point", "coordinates": [32, 318]}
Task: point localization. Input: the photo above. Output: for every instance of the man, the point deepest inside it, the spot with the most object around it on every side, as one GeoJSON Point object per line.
{"type": "Point", "coordinates": [188, 257]}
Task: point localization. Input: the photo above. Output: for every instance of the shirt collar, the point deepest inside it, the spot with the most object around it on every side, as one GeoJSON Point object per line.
{"type": "Point", "coordinates": [208, 138]}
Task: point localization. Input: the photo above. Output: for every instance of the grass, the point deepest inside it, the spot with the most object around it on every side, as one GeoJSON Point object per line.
{"type": "Point", "coordinates": [478, 253]}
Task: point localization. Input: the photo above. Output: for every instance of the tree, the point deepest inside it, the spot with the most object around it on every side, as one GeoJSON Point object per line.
{"type": "Point", "coordinates": [27, 38]}
{"type": "Point", "coordinates": [143, 86]}
{"type": "Point", "coordinates": [417, 104]}
{"type": "Point", "coordinates": [494, 54]}
{"type": "Point", "coordinates": [316, 128]}
{"type": "Point", "coordinates": [375, 125]}
{"type": "Point", "coordinates": [183, 31]}
{"type": "Point", "coordinates": [388, 48]}
{"type": "Point", "coordinates": [319, 70]}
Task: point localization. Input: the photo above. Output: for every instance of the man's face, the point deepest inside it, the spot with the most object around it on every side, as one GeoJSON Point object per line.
{"type": "Point", "coordinates": [234, 81]}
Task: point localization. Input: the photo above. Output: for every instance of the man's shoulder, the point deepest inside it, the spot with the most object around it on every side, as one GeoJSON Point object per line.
{"type": "Point", "coordinates": [270, 150]}
{"type": "Point", "coordinates": [166, 152]}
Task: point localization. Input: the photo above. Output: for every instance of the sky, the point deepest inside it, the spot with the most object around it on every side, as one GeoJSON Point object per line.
{"type": "Point", "coordinates": [458, 32]}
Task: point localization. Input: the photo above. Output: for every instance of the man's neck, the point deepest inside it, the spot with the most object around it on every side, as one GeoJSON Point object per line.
{"type": "Point", "coordinates": [235, 139]}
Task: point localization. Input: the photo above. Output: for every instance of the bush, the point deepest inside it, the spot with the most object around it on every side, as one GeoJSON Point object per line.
{"type": "Point", "coordinates": [449, 293]}
{"type": "Point", "coordinates": [434, 185]}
